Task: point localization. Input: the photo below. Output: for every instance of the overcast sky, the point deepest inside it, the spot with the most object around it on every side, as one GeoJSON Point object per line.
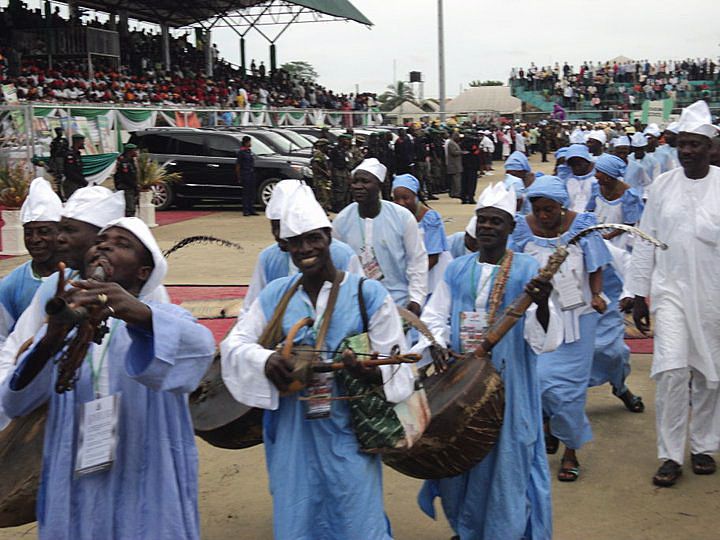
{"type": "Point", "coordinates": [483, 39]}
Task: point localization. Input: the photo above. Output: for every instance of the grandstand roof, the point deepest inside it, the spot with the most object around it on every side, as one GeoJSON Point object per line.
{"type": "Point", "coordinates": [178, 13]}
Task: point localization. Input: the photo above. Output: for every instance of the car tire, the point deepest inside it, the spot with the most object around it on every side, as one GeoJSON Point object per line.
{"type": "Point", "coordinates": [265, 190]}
{"type": "Point", "coordinates": [162, 196]}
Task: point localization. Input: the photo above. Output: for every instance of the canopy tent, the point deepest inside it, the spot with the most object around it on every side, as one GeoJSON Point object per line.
{"type": "Point", "coordinates": [180, 13]}
{"type": "Point", "coordinates": [485, 98]}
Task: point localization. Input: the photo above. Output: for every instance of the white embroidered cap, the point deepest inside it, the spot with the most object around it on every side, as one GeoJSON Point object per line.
{"type": "Point", "coordinates": [95, 205]}
{"type": "Point", "coordinates": [374, 167]}
{"type": "Point", "coordinates": [279, 196]}
{"type": "Point", "coordinates": [696, 118]}
{"type": "Point", "coordinates": [302, 213]}
{"type": "Point", "coordinates": [496, 196]}
{"type": "Point", "coordinates": [143, 233]}
{"type": "Point", "coordinates": [638, 140]}
{"type": "Point", "coordinates": [471, 226]}
{"type": "Point", "coordinates": [578, 137]}
{"type": "Point", "coordinates": [41, 204]}
{"type": "Point", "coordinates": [598, 135]}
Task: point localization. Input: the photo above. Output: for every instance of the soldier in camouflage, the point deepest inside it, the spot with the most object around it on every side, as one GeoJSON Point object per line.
{"type": "Point", "coordinates": [322, 180]}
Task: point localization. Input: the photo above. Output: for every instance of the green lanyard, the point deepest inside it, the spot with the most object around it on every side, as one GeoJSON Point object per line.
{"type": "Point", "coordinates": [96, 373]}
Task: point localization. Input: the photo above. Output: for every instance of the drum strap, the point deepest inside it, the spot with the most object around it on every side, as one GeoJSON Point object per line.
{"type": "Point", "coordinates": [363, 309]}
{"type": "Point", "coordinates": [273, 334]}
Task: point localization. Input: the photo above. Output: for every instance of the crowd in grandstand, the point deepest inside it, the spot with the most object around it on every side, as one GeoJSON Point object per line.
{"type": "Point", "coordinates": [142, 77]}
{"type": "Point", "coordinates": [625, 83]}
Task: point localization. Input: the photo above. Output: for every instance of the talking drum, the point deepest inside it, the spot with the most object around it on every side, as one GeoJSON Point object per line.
{"type": "Point", "coordinates": [466, 412]}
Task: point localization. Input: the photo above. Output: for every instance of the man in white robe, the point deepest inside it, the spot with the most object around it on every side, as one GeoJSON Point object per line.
{"type": "Point", "coordinates": [386, 238]}
{"type": "Point", "coordinates": [683, 285]}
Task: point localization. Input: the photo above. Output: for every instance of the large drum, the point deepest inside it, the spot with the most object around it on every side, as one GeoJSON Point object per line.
{"type": "Point", "coordinates": [21, 447]}
{"type": "Point", "coordinates": [219, 418]}
{"type": "Point", "coordinates": [467, 403]}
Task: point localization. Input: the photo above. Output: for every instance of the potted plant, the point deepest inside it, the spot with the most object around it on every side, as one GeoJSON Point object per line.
{"type": "Point", "coordinates": [152, 178]}
{"type": "Point", "coordinates": [14, 183]}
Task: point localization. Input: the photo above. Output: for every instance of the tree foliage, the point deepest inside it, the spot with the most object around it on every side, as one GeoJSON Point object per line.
{"type": "Point", "coordinates": [396, 94]}
{"type": "Point", "coordinates": [301, 69]}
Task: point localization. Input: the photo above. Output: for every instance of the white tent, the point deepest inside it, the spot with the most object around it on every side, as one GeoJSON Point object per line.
{"type": "Point", "coordinates": [485, 98]}
{"type": "Point", "coordinates": [407, 107]}
{"type": "Point", "coordinates": [621, 59]}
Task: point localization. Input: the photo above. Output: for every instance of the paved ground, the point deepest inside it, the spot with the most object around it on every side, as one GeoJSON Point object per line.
{"type": "Point", "coordinates": [614, 497]}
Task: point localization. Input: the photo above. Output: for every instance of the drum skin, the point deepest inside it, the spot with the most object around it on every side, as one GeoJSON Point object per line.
{"type": "Point", "coordinates": [467, 404]}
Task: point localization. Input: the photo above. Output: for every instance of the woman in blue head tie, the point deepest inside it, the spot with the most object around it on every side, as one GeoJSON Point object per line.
{"type": "Point", "coordinates": [406, 193]}
{"type": "Point", "coordinates": [577, 289]}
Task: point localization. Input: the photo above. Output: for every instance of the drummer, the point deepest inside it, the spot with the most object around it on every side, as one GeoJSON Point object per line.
{"type": "Point", "coordinates": [274, 261]}
{"type": "Point", "coordinates": [490, 500]}
{"type": "Point", "coordinates": [322, 485]}
{"type": "Point", "coordinates": [564, 373]}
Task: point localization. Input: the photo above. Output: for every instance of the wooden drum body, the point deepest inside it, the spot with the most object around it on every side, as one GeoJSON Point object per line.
{"type": "Point", "coordinates": [21, 449]}
{"type": "Point", "coordinates": [467, 404]}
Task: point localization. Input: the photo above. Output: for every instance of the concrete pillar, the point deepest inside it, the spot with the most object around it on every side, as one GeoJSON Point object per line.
{"type": "Point", "coordinates": [165, 45]}
{"type": "Point", "coordinates": [209, 61]}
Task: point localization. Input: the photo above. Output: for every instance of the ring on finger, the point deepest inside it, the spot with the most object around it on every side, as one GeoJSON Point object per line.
{"type": "Point", "coordinates": [111, 310]}
{"type": "Point", "coordinates": [102, 298]}
{"type": "Point", "coordinates": [535, 290]}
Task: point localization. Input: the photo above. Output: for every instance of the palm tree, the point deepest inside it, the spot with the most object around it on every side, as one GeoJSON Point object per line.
{"type": "Point", "coordinates": [151, 173]}
{"type": "Point", "coordinates": [396, 94]}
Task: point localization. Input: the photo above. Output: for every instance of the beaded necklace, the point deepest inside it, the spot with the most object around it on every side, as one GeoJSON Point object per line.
{"type": "Point", "coordinates": [498, 290]}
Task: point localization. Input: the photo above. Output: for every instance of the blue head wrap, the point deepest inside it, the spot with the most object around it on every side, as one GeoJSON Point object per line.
{"type": "Point", "coordinates": [517, 161]}
{"type": "Point", "coordinates": [578, 150]}
{"type": "Point", "coordinates": [407, 181]}
{"type": "Point", "coordinates": [611, 165]}
{"type": "Point", "coordinates": [561, 152]}
{"type": "Point", "coordinates": [549, 187]}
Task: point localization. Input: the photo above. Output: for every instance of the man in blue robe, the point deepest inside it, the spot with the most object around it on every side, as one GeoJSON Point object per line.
{"type": "Point", "coordinates": [87, 211]}
{"type": "Point", "coordinates": [386, 238]}
{"type": "Point", "coordinates": [40, 215]}
{"type": "Point", "coordinates": [144, 486]}
{"type": "Point", "coordinates": [323, 486]}
{"type": "Point", "coordinates": [507, 494]}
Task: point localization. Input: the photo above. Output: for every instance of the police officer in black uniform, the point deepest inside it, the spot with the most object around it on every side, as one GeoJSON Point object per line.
{"type": "Point", "coordinates": [126, 178]}
{"type": "Point", "coordinates": [72, 166]}
{"type": "Point", "coordinates": [58, 150]}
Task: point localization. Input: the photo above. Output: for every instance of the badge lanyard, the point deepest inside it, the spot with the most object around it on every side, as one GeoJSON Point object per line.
{"type": "Point", "coordinates": [97, 373]}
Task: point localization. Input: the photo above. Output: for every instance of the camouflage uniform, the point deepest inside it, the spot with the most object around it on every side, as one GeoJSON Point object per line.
{"type": "Point", "coordinates": [321, 176]}
{"type": "Point", "coordinates": [341, 159]}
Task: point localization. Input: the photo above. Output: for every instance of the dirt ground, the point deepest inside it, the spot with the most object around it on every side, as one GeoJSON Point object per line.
{"type": "Point", "coordinates": [614, 497]}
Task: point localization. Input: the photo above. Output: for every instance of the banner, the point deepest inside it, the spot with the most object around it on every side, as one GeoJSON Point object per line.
{"type": "Point", "coordinates": [10, 94]}
{"type": "Point", "coordinates": [136, 120]}
{"type": "Point", "coordinates": [98, 168]}
{"type": "Point", "coordinates": [657, 112]}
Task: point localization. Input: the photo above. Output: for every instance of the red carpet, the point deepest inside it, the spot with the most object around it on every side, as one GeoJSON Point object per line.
{"type": "Point", "coordinates": [168, 217]}
{"type": "Point", "coordinates": [182, 293]}
{"type": "Point", "coordinates": [640, 346]}
{"type": "Point", "coordinates": [219, 327]}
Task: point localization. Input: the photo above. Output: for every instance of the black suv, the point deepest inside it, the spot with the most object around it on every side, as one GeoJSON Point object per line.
{"type": "Point", "coordinates": [206, 161]}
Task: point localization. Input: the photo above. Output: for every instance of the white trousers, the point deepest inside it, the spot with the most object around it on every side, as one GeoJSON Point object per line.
{"type": "Point", "coordinates": [682, 401]}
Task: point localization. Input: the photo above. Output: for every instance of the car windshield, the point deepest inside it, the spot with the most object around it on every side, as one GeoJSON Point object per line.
{"type": "Point", "coordinates": [298, 139]}
{"type": "Point", "coordinates": [277, 141]}
{"type": "Point", "coordinates": [259, 148]}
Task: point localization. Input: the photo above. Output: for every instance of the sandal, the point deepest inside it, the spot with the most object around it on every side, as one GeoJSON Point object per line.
{"type": "Point", "coordinates": [668, 473]}
{"type": "Point", "coordinates": [568, 474]}
{"type": "Point", "coordinates": [632, 402]}
{"type": "Point", "coordinates": [552, 443]}
{"type": "Point", "coordinates": [702, 464]}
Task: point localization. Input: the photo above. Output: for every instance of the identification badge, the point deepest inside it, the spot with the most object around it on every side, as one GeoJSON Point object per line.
{"type": "Point", "coordinates": [318, 394]}
{"type": "Point", "coordinates": [473, 325]}
{"type": "Point", "coordinates": [97, 437]}
{"type": "Point", "coordinates": [370, 265]}
{"type": "Point", "coordinates": [568, 287]}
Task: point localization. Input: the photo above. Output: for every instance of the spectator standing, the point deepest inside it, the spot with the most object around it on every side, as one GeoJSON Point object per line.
{"type": "Point", "coordinates": [245, 175]}
{"type": "Point", "coordinates": [454, 165]}
{"type": "Point", "coordinates": [126, 177]}
{"type": "Point", "coordinates": [72, 167]}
